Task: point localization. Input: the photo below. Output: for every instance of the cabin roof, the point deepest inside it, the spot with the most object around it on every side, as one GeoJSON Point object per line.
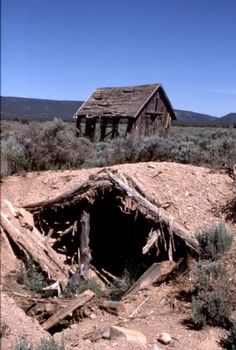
{"type": "Point", "coordinates": [126, 101]}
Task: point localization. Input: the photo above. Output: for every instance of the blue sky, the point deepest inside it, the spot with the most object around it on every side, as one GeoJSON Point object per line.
{"type": "Point", "coordinates": [64, 49]}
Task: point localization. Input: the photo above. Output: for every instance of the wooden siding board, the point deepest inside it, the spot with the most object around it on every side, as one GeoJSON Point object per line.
{"type": "Point", "coordinates": [144, 124]}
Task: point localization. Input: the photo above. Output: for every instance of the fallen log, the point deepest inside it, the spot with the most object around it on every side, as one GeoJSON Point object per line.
{"type": "Point", "coordinates": [5, 241]}
{"type": "Point", "coordinates": [77, 302]}
{"type": "Point", "coordinates": [33, 244]}
{"type": "Point", "coordinates": [47, 306]}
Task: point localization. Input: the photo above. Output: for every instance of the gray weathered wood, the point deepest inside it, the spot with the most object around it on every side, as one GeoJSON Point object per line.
{"type": "Point", "coordinates": [85, 254]}
{"type": "Point", "coordinates": [89, 185]}
{"type": "Point", "coordinates": [33, 243]}
{"type": "Point", "coordinates": [152, 239]}
{"type": "Point", "coordinates": [157, 272]}
{"type": "Point", "coordinates": [77, 302]}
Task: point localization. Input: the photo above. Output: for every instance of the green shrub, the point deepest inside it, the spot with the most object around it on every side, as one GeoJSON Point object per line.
{"type": "Point", "coordinates": [214, 241]}
{"type": "Point", "coordinates": [229, 209]}
{"type": "Point", "coordinates": [43, 146]}
{"type": "Point", "coordinates": [46, 344]}
{"type": "Point", "coordinates": [211, 301]}
{"type": "Point", "coordinates": [82, 285]}
{"type": "Point", "coordinates": [53, 145]}
{"type": "Point", "coordinates": [232, 337]}
{"type": "Point", "coordinates": [207, 275]}
{"type": "Point", "coordinates": [23, 343]}
{"type": "Point", "coordinates": [4, 329]}
{"type": "Point", "coordinates": [120, 286]}
{"type": "Point", "coordinates": [32, 279]}
{"type": "Point", "coordinates": [210, 308]}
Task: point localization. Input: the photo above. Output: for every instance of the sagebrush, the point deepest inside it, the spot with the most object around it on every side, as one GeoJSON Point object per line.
{"type": "Point", "coordinates": [23, 343]}
{"type": "Point", "coordinates": [212, 300]}
{"type": "Point", "coordinates": [232, 337]}
{"type": "Point", "coordinates": [121, 285]}
{"type": "Point", "coordinates": [53, 145]}
{"type": "Point", "coordinates": [32, 278]}
{"type": "Point", "coordinates": [214, 241]}
{"type": "Point", "coordinates": [4, 329]}
{"type": "Point", "coordinates": [79, 285]}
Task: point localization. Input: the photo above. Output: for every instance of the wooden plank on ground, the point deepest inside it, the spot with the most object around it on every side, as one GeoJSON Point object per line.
{"type": "Point", "coordinates": [77, 302]}
{"type": "Point", "coordinates": [157, 272]}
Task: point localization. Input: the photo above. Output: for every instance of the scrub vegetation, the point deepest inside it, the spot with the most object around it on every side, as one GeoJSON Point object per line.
{"type": "Point", "coordinates": [52, 145]}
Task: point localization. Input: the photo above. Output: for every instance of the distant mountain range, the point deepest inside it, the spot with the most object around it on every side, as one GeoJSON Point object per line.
{"type": "Point", "coordinates": [38, 109]}
{"type": "Point", "coordinates": [193, 118]}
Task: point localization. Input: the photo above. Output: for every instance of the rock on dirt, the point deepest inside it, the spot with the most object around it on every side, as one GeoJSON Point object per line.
{"type": "Point", "coordinates": [164, 338]}
{"type": "Point", "coordinates": [132, 336]}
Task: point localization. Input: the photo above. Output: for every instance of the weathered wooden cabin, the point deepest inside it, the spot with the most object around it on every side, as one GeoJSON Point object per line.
{"type": "Point", "coordinates": [118, 111]}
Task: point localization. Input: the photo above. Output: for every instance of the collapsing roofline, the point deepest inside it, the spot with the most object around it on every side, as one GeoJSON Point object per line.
{"type": "Point", "coordinates": [162, 231]}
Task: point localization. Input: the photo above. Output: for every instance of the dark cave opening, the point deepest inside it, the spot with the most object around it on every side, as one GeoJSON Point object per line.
{"type": "Point", "coordinates": [117, 237]}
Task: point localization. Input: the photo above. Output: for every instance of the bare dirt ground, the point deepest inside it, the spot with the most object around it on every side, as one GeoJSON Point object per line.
{"type": "Point", "coordinates": [196, 196]}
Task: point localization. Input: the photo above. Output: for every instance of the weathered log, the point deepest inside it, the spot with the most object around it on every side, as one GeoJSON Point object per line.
{"type": "Point", "coordinates": [85, 254]}
{"type": "Point", "coordinates": [47, 306]}
{"type": "Point", "coordinates": [33, 243]}
{"type": "Point", "coordinates": [158, 214]}
{"type": "Point", "coordinates": [10, 207]}
{"type": "Point", "coordinates": [5, 241]}
{"type": "Point", "coordinates": [77, 302]}
{"type": "Point", "coordinates": [157, 272]}
{"type": "Point", "coordinates": [89, 185]}
{"type": "Point", "coordinates": [152, 239]}
{"type": "Point", "coordinates": [26, 218]}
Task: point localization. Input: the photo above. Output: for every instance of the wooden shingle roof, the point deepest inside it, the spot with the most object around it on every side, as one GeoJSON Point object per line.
{"type": "Point", "coordinates": [125, 101]}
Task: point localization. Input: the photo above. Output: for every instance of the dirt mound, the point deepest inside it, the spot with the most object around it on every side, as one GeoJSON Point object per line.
{"type": "Point", "coordinates": [19, 323]}
{"type": "Point", "coordinates": [194, 193]}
